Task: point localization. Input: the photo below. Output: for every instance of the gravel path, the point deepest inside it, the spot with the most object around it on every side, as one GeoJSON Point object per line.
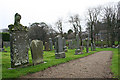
{"type": "Point", "coordinates": [93, 66]}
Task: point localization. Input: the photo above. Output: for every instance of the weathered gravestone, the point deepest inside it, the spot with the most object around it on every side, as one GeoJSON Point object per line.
{"type": "Point", "coordinates": [18, 43]}
{"type": "Point", "coordinates": [50, 44]}
{"type": "Point", "coordinates": [36, 51]}
{"type": "Point", "coordinates": [59, 48]}
{"type": "Point", "coordinates": [77, 51]}
{"type": "Point", "coordinates": [46, 46]}
{"type": "Point", "coordinates": [64, 45]}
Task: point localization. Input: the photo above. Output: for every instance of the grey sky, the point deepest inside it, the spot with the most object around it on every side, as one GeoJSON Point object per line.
{"type": "Point", "coordinates": [48, 11]}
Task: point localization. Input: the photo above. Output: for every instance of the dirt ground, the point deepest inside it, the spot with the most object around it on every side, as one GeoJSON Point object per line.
{"type": "Point", "coordinates": [93, 66]}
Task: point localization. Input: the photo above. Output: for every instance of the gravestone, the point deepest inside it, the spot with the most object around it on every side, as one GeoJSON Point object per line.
{"type": "Point", "coordinates": [87, 45]}
{"type": "Point", "coordinates": [77, 51]}
{"type": "Point", "coordinates": [101, 43]}
{"type": "Point", "coordinates": [70, 44]}
{"type": "Point", "coordinates": [6, 43]}
{"type": "Point", "coordinates": [91, 47]}
{"type": "Point", "coordinates": [94, 47]}
{"type": "Point", "coordinates": [113, 46]}
{"type": "Point", "coordinates": [46, 46]}
{"type": "Point", "coordinates": [64, 45]}
{"type": "Point", "coordinates": [18, 43]}
{"type": "Point", "coordinates": [59, 48]}
{"type": "Point", "coordinates": [36, 51]}
{"type": "Point", "coordinates": [50, 44]}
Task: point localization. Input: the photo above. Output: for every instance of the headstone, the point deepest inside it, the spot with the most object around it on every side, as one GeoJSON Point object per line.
{"type": "Point", "coordinates": [6, 44]}
{"type": "Point", "coordinates": [50, 44]}
{"type": "Point", "coordinates": [87, 46]}
{"type": "Point", "coordinates": [105, 46]}
{"type": "Point", "coordinates": [36, 51]}
{"type": "Point", "coordinates": [18, 43]}
{"type": "Point", "coordinates": [64, 45]}
{"type": "Point", "coordinates": [91, 47]}
{"type": "Point", "coordinates": [70, 44]}
{"type": "Point", "coordinates": [59, 48]}
{"type": "Point", "coordinates": [113, 46]}
{"type": "Point", "coordinates": [77, 51]}
{"type": "Point", "coordinates": [46, 46]}
{"type": "Point", "coordinates": [101, 43]}
{"type": "Point", "coordinates": [94, 47]}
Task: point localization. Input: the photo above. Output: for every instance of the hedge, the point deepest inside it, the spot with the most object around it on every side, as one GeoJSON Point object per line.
{"type": "Point", "coordinates": [5, 36]}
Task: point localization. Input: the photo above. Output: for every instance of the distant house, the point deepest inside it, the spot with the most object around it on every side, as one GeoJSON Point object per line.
{"type": "Point", "coordinates": [4, 30]}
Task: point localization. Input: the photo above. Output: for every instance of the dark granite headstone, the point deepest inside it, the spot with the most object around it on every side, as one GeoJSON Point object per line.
{"type": "Point", "coordinates": [59, 48]}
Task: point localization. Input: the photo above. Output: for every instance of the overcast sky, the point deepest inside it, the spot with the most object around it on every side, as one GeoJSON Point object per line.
{"type": "Point", "coordinates": [48, 11]}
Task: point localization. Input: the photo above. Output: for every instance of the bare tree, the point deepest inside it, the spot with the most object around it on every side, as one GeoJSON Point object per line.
{"type": "Point", "coordinates": [92, 19]}
{"type": "Point", "coordinates": [59, 26]}
{"type": "Point", "coordinates": [75, 21]}
{"type": "Point", "coordinates": [110, 18]}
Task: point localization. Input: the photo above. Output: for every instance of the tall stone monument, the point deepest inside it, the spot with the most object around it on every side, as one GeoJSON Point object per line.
{"type": "Point", "coordinates": [36, 51]}
{"type": "Point", "coordinates": [59, 48]}
{"type": "Point", "coordinates": [18, 43]}
{"type": "Point", "coordinates": [77, 51]}
{"type": "Point", "coordinates": [50, 44]}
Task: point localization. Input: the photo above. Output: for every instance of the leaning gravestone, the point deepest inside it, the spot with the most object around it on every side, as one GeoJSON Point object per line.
{"type": "Point", "coordinates": [18, 43]}
{"type": "Point", "coordinates": [46, 46]}
{"type": "Point", "coordinates": [50, 44]}
{"type": "Point", "coordinates": [64, 45]}
{"type": "Point", "coordinates": [77, 51]}
{"type": "Point", "coordinates": [59, 48]}
{"type": "Point", "coordinates": [36, 51]}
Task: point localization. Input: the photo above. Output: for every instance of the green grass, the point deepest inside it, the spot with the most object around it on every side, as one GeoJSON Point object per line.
{"type": "Point", "coordinates": [49, 57]}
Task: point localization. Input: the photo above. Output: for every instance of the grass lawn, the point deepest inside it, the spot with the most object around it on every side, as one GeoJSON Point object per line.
{"type": "Point", "coordinates": [49, 57]}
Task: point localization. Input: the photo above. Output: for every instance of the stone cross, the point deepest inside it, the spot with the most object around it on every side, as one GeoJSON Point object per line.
{"type": "Point", "coordinates": [36, 51]}
{"type": "Point", "coordinates": [59, 48]}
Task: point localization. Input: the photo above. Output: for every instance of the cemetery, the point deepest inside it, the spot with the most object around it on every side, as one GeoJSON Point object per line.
{"type": "Point", "coordinates": [39, 51]}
